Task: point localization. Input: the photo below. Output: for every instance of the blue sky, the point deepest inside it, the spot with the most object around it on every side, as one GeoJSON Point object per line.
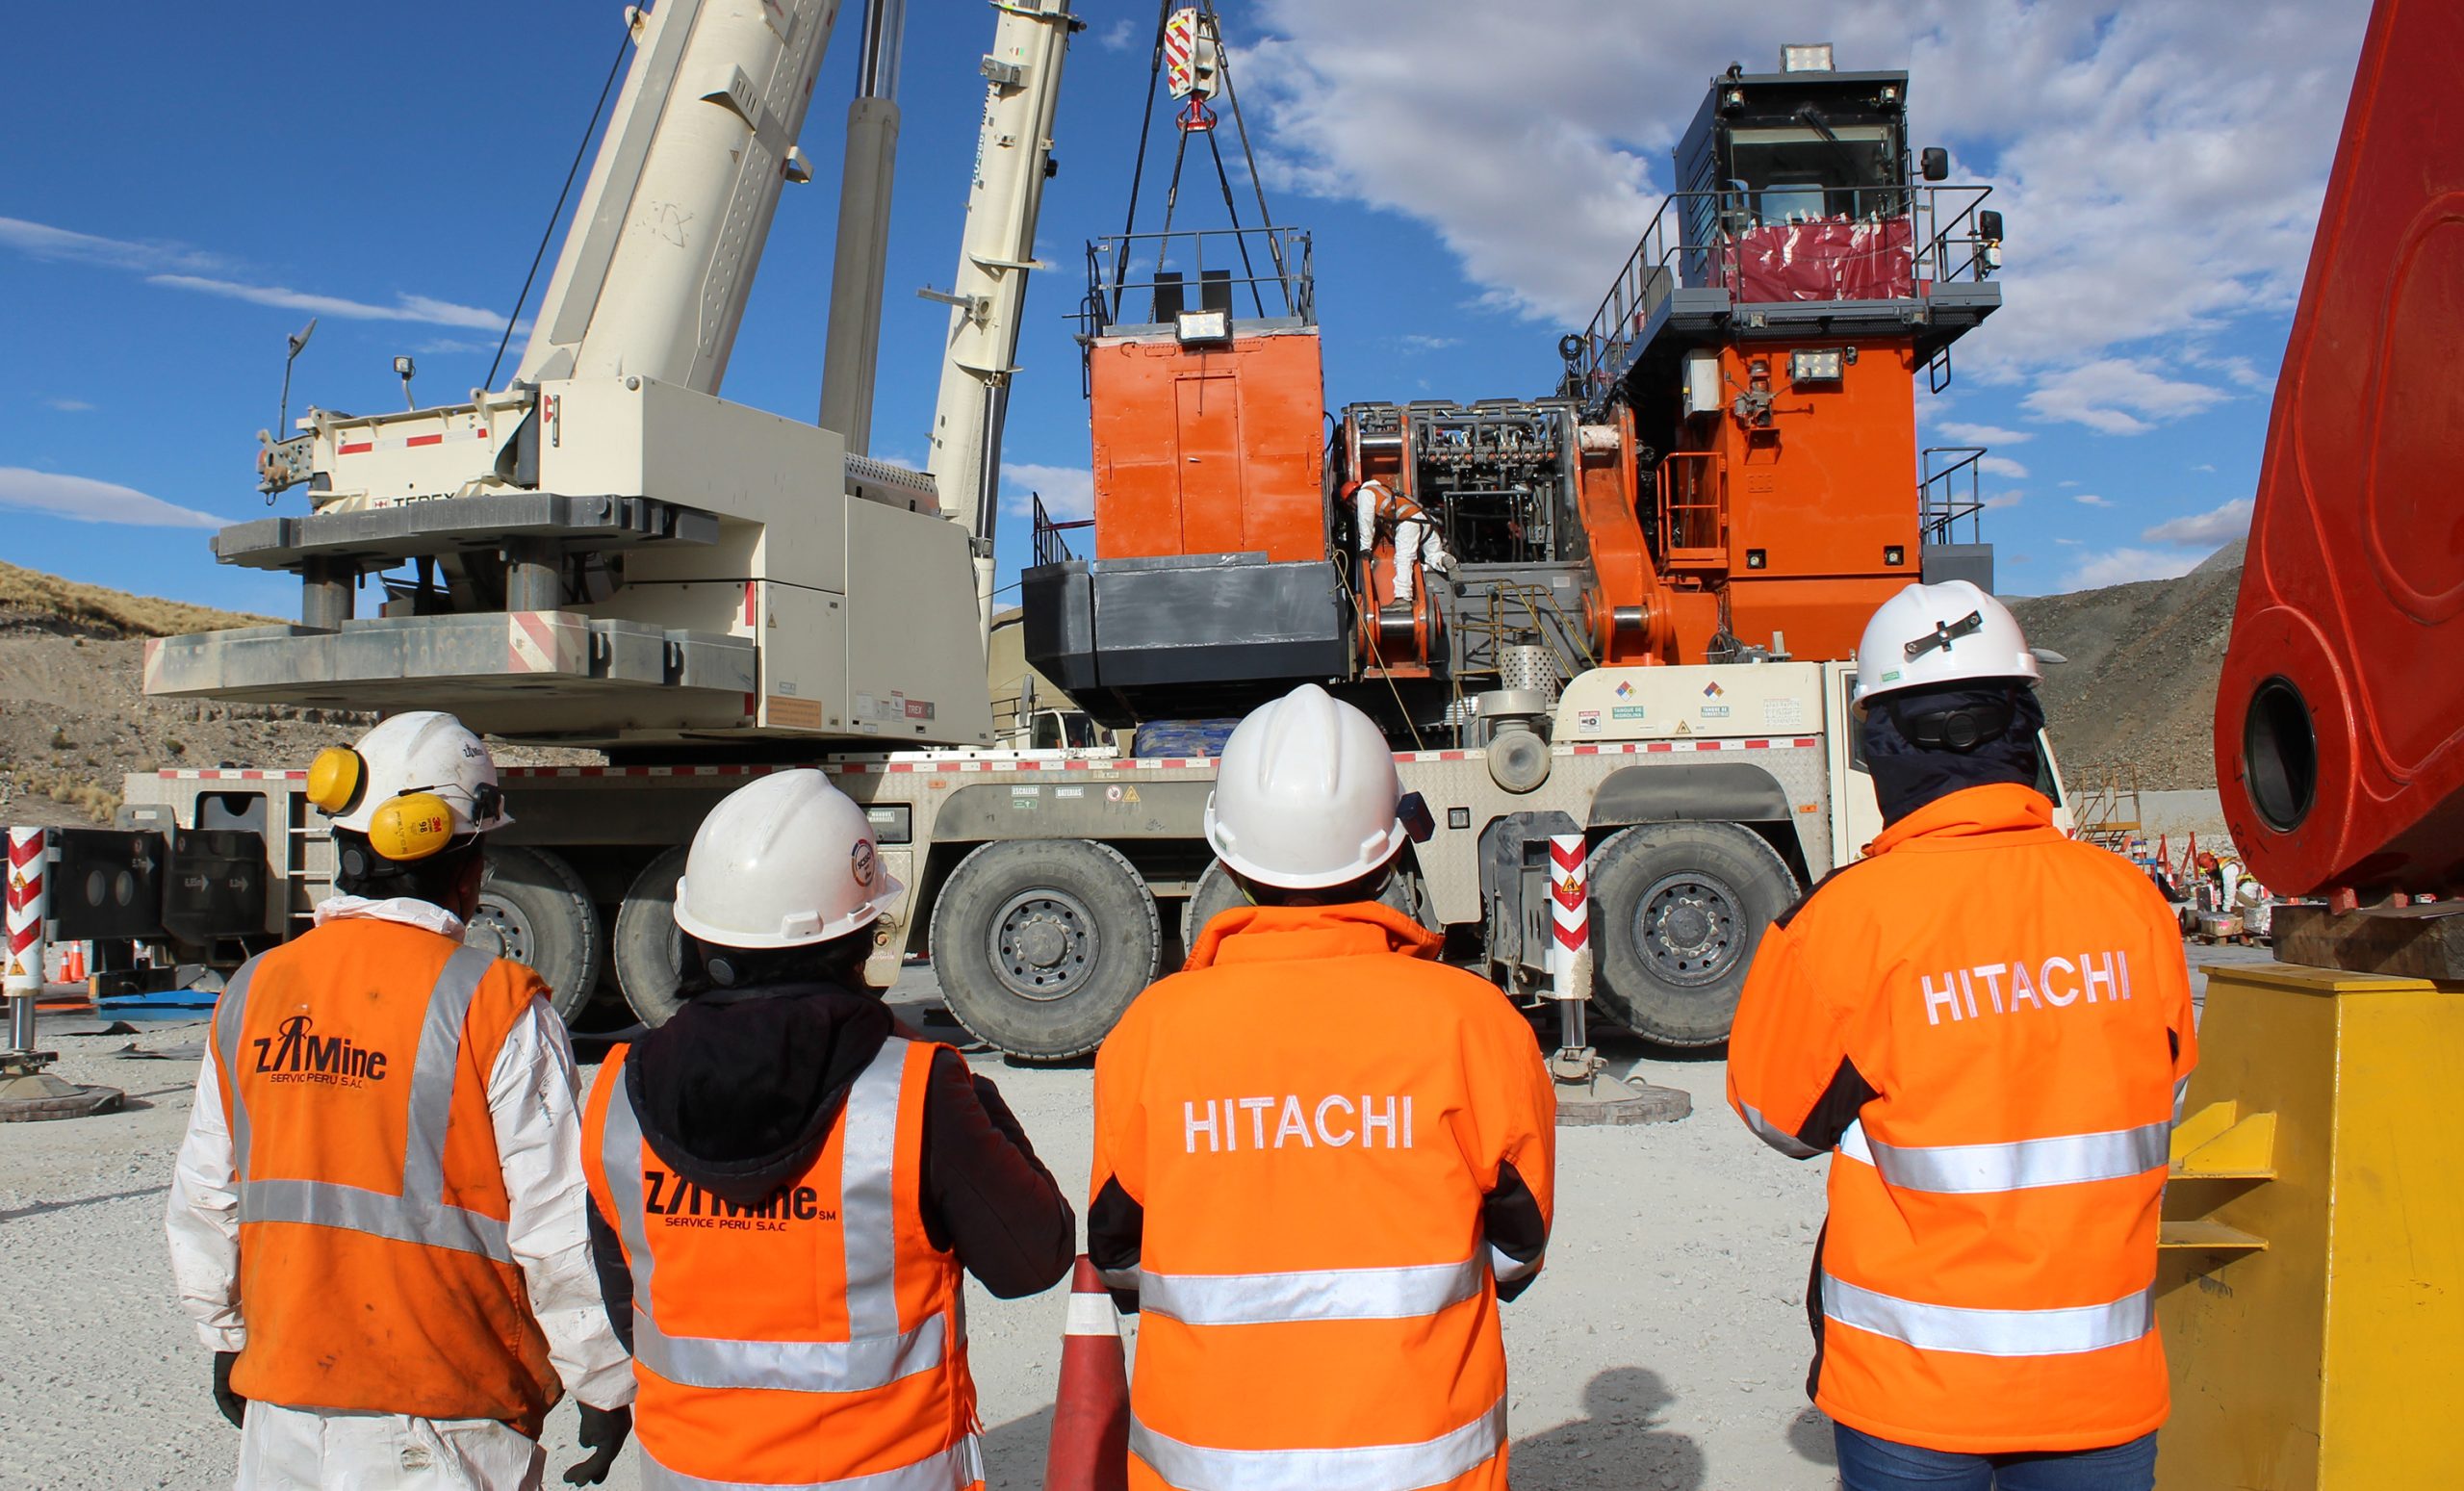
{"type": "Point", "coordinates": [1474, 176]}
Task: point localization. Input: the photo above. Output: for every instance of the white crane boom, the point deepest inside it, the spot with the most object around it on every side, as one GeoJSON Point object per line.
{"type": "Point", "coordinates": [653, 277]}
{"type": "Point", "coordinates": [1012, 156]}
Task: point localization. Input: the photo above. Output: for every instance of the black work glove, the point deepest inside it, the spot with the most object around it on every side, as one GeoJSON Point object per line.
{"type": "Point", "coordinates": [604, 1433]}
{"type": "Point", "coordinates": [233, 1405]}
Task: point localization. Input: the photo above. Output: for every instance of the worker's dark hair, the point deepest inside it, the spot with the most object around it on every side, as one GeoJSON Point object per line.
{"type": "Point", "coordinates": [360, 870]}
{"type": "Point", "coordinates": [838, 961]}
{"type": "Point", "coordinates": [1368, 888]}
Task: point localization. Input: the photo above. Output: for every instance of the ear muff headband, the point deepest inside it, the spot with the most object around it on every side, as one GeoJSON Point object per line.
{"type": "Point", "coordinates": [410, 827]}
{"type": "Point", "coordinates": [337, 779]}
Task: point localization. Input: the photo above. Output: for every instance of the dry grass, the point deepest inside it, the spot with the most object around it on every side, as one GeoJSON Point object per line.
{"type": "Point", "coordinates": [96, 611]}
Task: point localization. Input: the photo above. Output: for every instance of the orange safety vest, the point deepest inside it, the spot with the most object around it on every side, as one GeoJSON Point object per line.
{"type": "Point", "coordinates": [1991, 1024]}
{"type": "Point", "coordinates": [1317, 1302]}
{"type": "Point", "coordinates": [815, 1340]}
{"type": "Point", "coordinates": [375, 1274]}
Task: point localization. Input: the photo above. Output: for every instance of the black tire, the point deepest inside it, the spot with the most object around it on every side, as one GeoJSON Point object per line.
{"type": "Point", "coordinates": [533, 909]}
{"type": "Point", "coordinates": [1677, 910]}
{"type": "Point", "coordinates": [1041, 944]}
{"type": "Point", "coordinates": [1217, 892]}
{"type": "Point", "coordinates": [646, 949]}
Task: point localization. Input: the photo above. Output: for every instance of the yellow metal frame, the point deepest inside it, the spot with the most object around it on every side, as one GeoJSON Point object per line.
{"type": "Point", "coordinates": [2311, 1279]}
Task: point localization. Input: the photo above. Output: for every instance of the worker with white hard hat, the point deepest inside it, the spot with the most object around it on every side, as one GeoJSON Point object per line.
{"type": "Point", "coordinates": [379, 1220]}
{"type": "Point", "coordinates": [1318, 1217]}
{"type": "Point", "coordinates": [1986, 1025]}
{"type": "Point", "coordinates": [786, 1182]}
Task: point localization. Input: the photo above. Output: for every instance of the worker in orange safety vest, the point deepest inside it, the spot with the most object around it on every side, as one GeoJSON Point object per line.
{"type": "Point", "coordinates": [377, 1218]}
{"type": "Point", "coordinates": [1378, 511]}
{"type": "Point", "coordinates": [1987, 1026]}
{"type": "Point", "coordinates": [1318, 1219]}
{"type": "Point", "coordinates": [786, 1182]}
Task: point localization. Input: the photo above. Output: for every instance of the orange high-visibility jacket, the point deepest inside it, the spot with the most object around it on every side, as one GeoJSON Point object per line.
{"type": "Point", "coordinates": [1319, 1294]}
{"type": "Point", "coordinates": [375, 1273]}
{"type": "Point", "coordinates": [817, 1338]}
{"type": "Point", "coordinates": [1990, 1025]}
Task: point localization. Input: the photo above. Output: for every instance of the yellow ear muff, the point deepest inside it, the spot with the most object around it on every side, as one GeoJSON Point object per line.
{"type": "Point", "coordinates": [336, 778]}
{"type": "Point", "coordinates": [410, 827]}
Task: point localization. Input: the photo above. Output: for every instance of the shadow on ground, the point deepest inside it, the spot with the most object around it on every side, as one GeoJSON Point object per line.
{"type": "Point", "coordinates": [1013, 1452]}
{"type": "Point", "coordinates": [1617, 1443]}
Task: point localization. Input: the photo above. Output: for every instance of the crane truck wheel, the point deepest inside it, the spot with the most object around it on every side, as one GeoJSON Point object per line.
{"type": "Point", "coordinates": [534, 909]}
{"type": "Point", "coordinates": [1217, 892]}
{"type": "Point", "coordinates": [1041, 944]}
{"type": "Point", "coordinates": [646, 949]}
{"type": "Point", "coordinates": [1676, 912]}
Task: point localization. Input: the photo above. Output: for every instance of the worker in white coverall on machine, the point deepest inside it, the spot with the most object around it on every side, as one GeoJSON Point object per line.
{"type": "Point", "coordinates": [1378, 511]}
{"type": "Point", "coordinates": [378, 1222]}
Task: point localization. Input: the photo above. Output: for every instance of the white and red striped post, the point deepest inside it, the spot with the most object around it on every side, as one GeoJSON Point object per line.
{"type": "Point", "coordinates": [1570, 948]}
{"type": "Point", "coordinates": [29, 903]}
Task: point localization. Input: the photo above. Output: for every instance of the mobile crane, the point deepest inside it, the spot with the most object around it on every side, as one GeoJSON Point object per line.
{"type": "Point", "coordinates": [661, 622]}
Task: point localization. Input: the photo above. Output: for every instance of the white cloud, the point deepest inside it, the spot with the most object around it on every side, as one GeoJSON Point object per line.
{"type": "Point", "coordinates": [41, 240]}
{"type": "Point", "coordinates": [1420, 341]}
{"type": "Point", "coordinates": [2067, 543]}
{"type": "Point", "coordinates": [2006, 499]}
{"type": "Point", "coordinates": [68, 405]}
{"type": "Point", "coordinates": [84, 499]}
{"type": "Point", "coordinates": [405, 307]}
{"type": "Point", "coordinates": [1068, 492]}
{"type": "Point", "coordinates": [1117, 37]}
{"type": "Point", "coordinates": [2065, 483]}
{"type": "Point", "coordinates": [1980, 434]}
{"type": "Point", "coordinates": [2091, 500]}
{"type": "Point", "coordinates": [2218, 525]}
{"type": "Point", "coordinates": [2207, 466]}
{"type": "Point", "coordinates": [2179, 150]}
{"type": "Point", "coordinates": [2125, 566]}
{"type": "Point", "coordinates": [452, 347]}
{"type": "Point", "coordinates": [2001, 466]}
{"type": "Point", "coordinates": [2118, 397]}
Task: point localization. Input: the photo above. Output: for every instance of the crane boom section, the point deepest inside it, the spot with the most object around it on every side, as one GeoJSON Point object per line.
{"type": "Point", "coordinates": [1013, 155]}
{"type": "Point", "coordinates": [654, 274]}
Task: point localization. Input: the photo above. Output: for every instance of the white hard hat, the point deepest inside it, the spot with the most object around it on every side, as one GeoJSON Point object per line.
{"type": "Point", "coordinates": [784, 862]}
{"type": "Point", "coordinates": [1305, 794]}
{"type": "Point", "coordinates": [408, 758]}
{"type": "Point", "coordinates": [1931, 636]}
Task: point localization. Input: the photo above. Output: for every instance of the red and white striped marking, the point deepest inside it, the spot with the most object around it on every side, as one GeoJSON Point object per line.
{"type": "Point", "coordinates": [445, 437]}
{"type": "Point", "coordinates": [969, 765]}
{"type": "Point", "coordinates": [1180, 43]}
{"type": "Point", "coordinates": [541, 642]}
{"type": "Point", "coordinates": [29, 903]}
{"type": "Point", "coordinates": [1569, 914]}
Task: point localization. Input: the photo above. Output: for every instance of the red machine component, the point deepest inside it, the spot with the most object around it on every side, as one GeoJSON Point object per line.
{"type": "Point", "coordinates": [2340, 717]}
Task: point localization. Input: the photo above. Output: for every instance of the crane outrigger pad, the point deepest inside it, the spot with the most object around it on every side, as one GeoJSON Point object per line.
{"type": "Point", "coordinates": [500, 671]}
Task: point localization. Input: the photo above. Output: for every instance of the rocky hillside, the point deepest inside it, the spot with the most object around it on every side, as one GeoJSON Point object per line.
{"type": "Point", "coordinates": [2140, 688]}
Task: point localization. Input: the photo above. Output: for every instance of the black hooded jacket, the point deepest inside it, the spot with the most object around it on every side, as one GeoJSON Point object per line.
{"type": "Point", "coordinates": [737, 1093]}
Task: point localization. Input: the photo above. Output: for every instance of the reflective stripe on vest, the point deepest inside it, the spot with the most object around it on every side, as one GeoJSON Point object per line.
{"type": "Point", "coordinates": [1777, 1138]}
{"type": "Point", "coordinates": [960, 1465]}
{"type": "Point", "coordinates": [1943, 1327]}
{"type": "Point", "coordinates": [417, 1213]}
{"type": "Point", "coordinates": [1315, 1295]}
{"type": "Point", "coordinates": [2024, 1165]}
{"type": "Point", "coordinates": [876, 1352]}
{"type": "Point", "coordinates": [1363, 1468]}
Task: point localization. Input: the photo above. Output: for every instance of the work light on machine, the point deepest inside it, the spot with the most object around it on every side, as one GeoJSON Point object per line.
{"type": "Point", "coordinates": [1806, 57]}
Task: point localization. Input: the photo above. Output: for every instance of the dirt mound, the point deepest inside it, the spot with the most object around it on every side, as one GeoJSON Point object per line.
{"type": "Point", "coordinates": [32, 602]}
{"type": "Point", "coordinates": [2138, 691]}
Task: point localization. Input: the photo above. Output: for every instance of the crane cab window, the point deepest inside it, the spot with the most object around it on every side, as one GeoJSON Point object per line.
{"type": "Point", "coordinates": [1799, 174]}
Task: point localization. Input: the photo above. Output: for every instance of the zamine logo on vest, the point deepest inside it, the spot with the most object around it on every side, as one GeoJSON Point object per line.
{"type": "Point", "coordinates": [678, 1202]}
{"type": "Point", "coordinates": [293, 1053]}
{"type": "Point", "coordinates": [1333, 1121]}
{"type": "Point", "coordinates": [2092, 971]}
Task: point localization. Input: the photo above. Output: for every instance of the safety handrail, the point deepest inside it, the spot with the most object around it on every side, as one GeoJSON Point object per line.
{"type": "Point", "coordinates": [1273, 275]}
{"type": "Point", "coordinates": [1050, 548]}
{"type": "Point", "coordinates": [1939, 503]}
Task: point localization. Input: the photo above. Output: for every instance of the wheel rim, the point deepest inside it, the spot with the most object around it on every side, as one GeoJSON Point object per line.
{"type": "Point", "coordinates": [1689, 929]}
{"type": "Point", "coordinates": [500, 927]}
{"type": "Point", "coordinates": [1044, 944]}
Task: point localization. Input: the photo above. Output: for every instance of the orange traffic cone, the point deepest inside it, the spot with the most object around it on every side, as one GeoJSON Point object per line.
{"type": "Point", "coordinates": [1090, 1413]}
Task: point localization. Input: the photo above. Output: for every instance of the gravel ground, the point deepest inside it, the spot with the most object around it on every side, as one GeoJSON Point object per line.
{"type": "Point", "coordinates": [1665, 1348]}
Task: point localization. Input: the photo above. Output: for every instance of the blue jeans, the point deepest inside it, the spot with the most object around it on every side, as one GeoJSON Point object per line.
{"type": "Point", "coordinates": [1871, 1464]}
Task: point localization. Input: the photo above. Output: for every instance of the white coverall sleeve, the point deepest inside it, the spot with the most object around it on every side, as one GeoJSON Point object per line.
{"type": "Point", "coordinates": [202, 1219]}
{"type": "Point", "coordinates": [534, 1104]}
